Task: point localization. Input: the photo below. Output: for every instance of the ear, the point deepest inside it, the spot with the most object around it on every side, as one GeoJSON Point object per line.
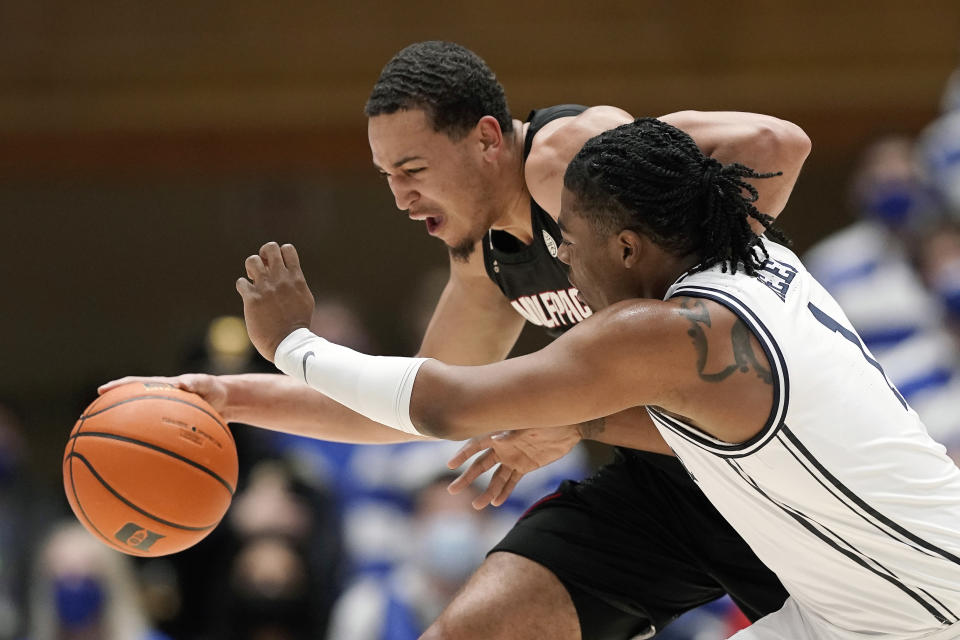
{"type": "Point", "coordinates": [489, 134]}
{"type": "Point", "coordinates": [630, 245]}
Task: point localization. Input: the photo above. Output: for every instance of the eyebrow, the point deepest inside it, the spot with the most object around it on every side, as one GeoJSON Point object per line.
{"type": "Point", "coordinates": [399, 163]}
{"type": "Point", "coordinates": [403, 161]}
{"type": "Point", "coordinates": [563, 228]}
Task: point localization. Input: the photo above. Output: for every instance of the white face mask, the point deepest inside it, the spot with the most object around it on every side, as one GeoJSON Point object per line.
{"type": "Point", "coordinates": [450, 546]}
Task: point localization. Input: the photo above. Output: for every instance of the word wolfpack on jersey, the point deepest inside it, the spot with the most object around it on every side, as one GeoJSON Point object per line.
{"type": "Point", "coordinates": [552, 309]}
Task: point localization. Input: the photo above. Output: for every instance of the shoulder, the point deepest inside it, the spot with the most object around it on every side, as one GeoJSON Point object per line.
{"type": "Point", "coordinates": [563, 137]}
{"type": "Point", "coordinates": [665, 317]}
{"type": "Point", "coordinates": [655, 330]}
{"type": "Point", "coordinates": [687, 310]}
{"type": "Point", "coordinates": [636, 328]}
{"type": "Point", "coordinates": [557, 143]}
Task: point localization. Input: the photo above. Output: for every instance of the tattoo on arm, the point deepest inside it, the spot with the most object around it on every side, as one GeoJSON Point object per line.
{"type": "Point", "coordinates": [744, 358]}
{"type": "Point", "coordinates": [592, 428]}
{"type": "Point", "coordinates": [744, 354]}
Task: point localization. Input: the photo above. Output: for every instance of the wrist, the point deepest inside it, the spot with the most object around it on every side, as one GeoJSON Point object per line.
{"type": "Point", "coordinates": [231, 406]}
{"type": "Point", "coordinates": [244, 395]}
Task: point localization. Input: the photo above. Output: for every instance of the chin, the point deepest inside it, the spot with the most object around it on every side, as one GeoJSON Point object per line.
{"type": "Point", "coordinates": [461, 251]}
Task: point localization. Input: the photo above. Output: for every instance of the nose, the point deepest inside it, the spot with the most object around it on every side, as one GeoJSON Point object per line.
{"type": "Point", "coordinates": [563, 254]}
{"type": "Point", "coordinates": [402, 194]}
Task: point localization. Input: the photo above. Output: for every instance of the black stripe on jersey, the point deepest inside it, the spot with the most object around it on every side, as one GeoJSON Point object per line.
{"type": "Point", "coordinates": [834, 541]}
{"type": "Point", "coordinates": [825, 319]}
{"type": "Point", "coordinates": [704, 441]}
{"type": "Point", "coordinates": [778, 370]}
{"type": "Point", "coordinates": [836, 493]}
{"type": "Point", "coordinates": [929, 595]}
{"type": "Point", "coordinates": [873, 513]}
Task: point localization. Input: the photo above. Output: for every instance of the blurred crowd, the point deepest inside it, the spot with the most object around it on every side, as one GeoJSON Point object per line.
{"type": "Point", "coordinates": [323, 539]}
{"type": "Point", "coordinates": [896, 270]}
{"type": "Point", "coordinates": [348, 542]}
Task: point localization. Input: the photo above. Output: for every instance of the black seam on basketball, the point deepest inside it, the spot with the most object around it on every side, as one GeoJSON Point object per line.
{"type": "Point", "coordinates": [172, 454]}
{"type": "Point", "coordinates": [119, 497]}
{"type": "Point", "coordinates": [76, 499]}
{"type": "Point", "coordinates": [156, 397]}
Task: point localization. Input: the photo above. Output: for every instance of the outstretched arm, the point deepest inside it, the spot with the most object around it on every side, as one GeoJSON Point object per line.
{"type": "Point", "coordinates": [634, 353]}
{"type": "Point", "coordinates": [279, 403]}
{"type": "Point", "coordinates": [586, 374]}
{"type": "Point", "coordinates": [473, 324]}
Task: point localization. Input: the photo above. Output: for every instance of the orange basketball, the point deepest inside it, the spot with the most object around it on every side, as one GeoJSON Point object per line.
{"type": "Point", "coordinates": [150, 469]}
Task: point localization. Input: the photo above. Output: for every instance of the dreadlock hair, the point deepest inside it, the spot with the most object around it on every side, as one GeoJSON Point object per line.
{"type": "Point", "coordinates": [650, 177]}
{"type": "Point", "coordinates": [451, 83]}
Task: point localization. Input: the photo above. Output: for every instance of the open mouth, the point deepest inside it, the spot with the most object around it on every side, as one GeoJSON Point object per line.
{"type": "Point", "coordinates": [433, 224]}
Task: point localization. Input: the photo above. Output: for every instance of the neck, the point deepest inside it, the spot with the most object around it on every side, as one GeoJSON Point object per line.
{"type": "Point", "coordinates": [667, 268]}
{"type": "Point", "coordinates": [511, 187]}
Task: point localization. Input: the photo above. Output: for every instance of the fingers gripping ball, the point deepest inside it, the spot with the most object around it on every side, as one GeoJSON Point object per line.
{"type": "Point", "coordinates": [150, 469]}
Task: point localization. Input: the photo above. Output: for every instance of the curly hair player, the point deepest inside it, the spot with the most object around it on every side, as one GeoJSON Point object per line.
{"type": "Point", "coordinates": [489, 187]}
{"type": "Point", "coordinates": [745, 364]}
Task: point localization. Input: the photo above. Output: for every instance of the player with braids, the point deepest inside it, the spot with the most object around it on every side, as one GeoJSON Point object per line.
{"type": "Point", "coordinates": [652, 178]}
{"type": "Point", "coordinates": [744, 364]}
{"type": "Point", "coordinates": [626, 552]}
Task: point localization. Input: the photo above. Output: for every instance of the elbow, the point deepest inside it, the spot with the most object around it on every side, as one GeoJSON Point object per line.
{"type": "Point", "coordinates": [438, 416]}
{"type": "Point", "coordinates": [432, 424]}
{"type": "Point", "coordinates": [788, 143]}
{"type": "Point", "coordinates": [450, 402]}
{"type": "Point", "coordinates": [796, 140]}
{"type": "Point", "coordinates": [437, 425]}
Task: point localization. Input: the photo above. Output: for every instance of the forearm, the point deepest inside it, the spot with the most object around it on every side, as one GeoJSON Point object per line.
{"type": "Point", "coordinates": [282, 403]}
{"type": "Point", "coordinates": [632, 428]}
{"type": "Point", "coordinates": [735, 136]}
{"type": "Point", "coordinates": [763, 143]}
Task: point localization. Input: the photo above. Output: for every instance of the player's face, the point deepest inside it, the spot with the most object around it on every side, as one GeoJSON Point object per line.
{"type": "Point", "coordinates": [434, 178]}
{"type": "Point", "coordinates": [595, 267]}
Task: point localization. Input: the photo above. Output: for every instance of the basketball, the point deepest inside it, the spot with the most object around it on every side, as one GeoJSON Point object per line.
{"type": "Point", "coordinates": [150, 469]}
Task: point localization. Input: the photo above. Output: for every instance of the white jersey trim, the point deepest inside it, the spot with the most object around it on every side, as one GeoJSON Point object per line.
{"type": "Point", "coordinates": [778, 372]}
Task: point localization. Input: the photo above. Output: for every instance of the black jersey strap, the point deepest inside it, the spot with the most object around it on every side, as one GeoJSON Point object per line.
{"type": "Point", "coordinates": [539, 117]}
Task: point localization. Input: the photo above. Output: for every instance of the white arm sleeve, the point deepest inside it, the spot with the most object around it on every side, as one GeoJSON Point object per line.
{"type": "Point", "coordinates": [378, 387]}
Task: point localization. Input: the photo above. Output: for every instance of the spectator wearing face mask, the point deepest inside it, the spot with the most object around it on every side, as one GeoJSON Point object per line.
{"type": "Point", "coordinates": [871, 268]}
{"type": "Point", "coordinates": [940, 266]}
{"type": "Point", "coordinates": [83, 590]}
{"type": "Point", "coordinates": [283, 572]}
{"type": "Point", "coordinates": [270, 593]}
{"type": "Point", "coordinates": [939, 148]}
{"type": "Point", "coordinates": [447, 541]}
{"type": "Point", "coordinates": [939, 152]}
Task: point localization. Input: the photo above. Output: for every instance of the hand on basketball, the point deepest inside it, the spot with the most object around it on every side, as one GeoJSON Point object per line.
{"type": "Point", "coordinates": [276, 298]}
{"type": "Point", "coordinates": [208, 387]}
{"type": "Point", "coordinates": [517, 452]}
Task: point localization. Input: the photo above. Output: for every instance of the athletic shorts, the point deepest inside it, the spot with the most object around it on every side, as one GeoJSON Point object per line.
{"type": "Point", "coordinates": [637, 544]}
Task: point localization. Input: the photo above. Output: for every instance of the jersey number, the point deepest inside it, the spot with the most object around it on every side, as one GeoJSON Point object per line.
{"type": "Point", "coordinates": [827, 321]}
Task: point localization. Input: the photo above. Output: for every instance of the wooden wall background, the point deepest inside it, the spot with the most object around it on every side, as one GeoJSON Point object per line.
{"type": "Point", "coordinates": [146, 148]}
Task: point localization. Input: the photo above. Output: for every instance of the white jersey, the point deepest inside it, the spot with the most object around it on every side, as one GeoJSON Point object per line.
{"type": "Point", "coordinates": [843, 494]}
